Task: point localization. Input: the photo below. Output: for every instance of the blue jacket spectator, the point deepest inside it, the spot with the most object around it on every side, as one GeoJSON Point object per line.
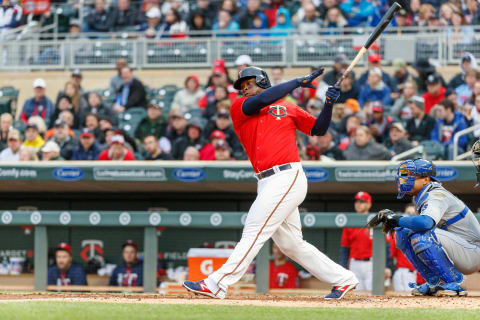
{"type": "Point", "coordinates": [64, 272]}
{"type": "Point", "coordinates": [374, 60]}
{"type": "Point", "coordinates": [130, 272]}
{"type": "Point", "coordinates": [445, 130]}
{"type": "Point", "coordinates": [357, 12]}
{"type": "Point", "coordinates": [10, 15]}
{"type": "Point", "coordinates": [283, 23]}
{"type": "Point", "coordinates": [124, 17]}
{"type": "Point", "coordinates": [380, 9]}
{"type": "Point", "coordinates": [375, 90]}
{"type": "Point", "coordinates": [248, 14]}
{"type": "Point", "coordinates": [39, 105]}
{"type": "Point", "coordinates": [88, 148]}
{"type": "Point", "coordinates": [449, 122]}
{"type": "Point", "coordinates": [97, 20]}
{"type": "Point", "coordinates": [225, 23]}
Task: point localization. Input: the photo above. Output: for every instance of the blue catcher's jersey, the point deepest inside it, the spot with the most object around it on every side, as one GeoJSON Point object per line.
{"type": "Point", "coordinates": [449, 212]}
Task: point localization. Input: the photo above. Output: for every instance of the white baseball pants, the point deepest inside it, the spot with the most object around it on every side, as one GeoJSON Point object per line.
{"type": "Point", "coordinates": [274, 214]}
{"type": "Point", "coordinates": [363, 270]}
{"type": "Point", "coordinates": [402, 277]}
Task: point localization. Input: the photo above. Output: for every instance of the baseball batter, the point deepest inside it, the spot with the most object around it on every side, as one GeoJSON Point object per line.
{"type": "Point", "coordinates": [443, 241]}
{"type": "Point", "coordinates": [266, 126]}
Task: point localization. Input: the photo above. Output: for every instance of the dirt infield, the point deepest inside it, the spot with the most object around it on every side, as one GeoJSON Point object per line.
{"type": "Point", "coordinates": [352, 301]}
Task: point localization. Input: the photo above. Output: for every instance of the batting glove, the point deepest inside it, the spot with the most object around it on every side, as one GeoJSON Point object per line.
{"type": "Point", "coordinates": [306, 81]}
{"type": "Point", "coordinates": [332, 94]}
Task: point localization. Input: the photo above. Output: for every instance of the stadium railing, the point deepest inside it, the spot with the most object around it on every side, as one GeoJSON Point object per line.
{"type": "Point", "coordinates": [94, 50]}
{"type": "Point", "coordinates": [457, 136]}
{"type": "Point", "coordinates": [43, 220]}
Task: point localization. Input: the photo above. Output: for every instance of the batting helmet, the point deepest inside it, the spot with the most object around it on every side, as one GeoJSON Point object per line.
{"type": "Point", "coordinates": [409, 170]}
{"type": "Point", "coordinates": [261, 77]}
{"type": "Point", "coordinates": [476, 160]}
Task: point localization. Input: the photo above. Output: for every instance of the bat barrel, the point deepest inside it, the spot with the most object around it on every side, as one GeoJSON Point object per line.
{"type": "Point", "coordinates": [383, 23]}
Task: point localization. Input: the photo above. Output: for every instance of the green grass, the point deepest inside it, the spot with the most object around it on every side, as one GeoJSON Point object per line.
{"type": "Point", "coordinates": [44, 310]}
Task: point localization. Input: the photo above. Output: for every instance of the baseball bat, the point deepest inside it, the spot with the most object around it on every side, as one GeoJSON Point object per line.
{"type": "Point", "coordinates": [373, 36]}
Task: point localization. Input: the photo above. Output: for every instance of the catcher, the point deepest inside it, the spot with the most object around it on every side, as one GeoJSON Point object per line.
{"type": "Point", "coordinates": [443, 241]}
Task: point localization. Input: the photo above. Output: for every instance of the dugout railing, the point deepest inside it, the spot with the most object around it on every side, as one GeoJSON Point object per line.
{"type": "Point", "coordinates": [43, 220]}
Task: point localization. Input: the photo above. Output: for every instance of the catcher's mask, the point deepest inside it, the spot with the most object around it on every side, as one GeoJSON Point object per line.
{"type": "Point", "coordinates": [476, 160]}
{"type": "Point", "coordinates": [409, 170]}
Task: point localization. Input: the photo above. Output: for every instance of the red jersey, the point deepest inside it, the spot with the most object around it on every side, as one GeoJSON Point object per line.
{"type": "Point", "coordinates": [269, 137]}
{"type": "Point", "coordinates": [284, 276]}
{"type": "Point", "coordinates": [431, 101]}
{"type": "Point", "coordinates": [359, 241]}
{"type": "Point", "coordinates": [105, 155]}
{"type": "Point", "coordinates": [402, 261]}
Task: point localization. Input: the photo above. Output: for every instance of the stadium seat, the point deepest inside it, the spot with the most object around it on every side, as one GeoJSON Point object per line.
{"type": "Point", "coordinates": [20, 125]}
{"type": "Point", "coordinates": [433, 149]}
{"type": "Point", "coordinates": [130, 119]}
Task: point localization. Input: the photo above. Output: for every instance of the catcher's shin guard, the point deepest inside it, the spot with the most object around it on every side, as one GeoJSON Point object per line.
{"type": "Point", "coordinates": [402, 242]}
{"type": "Point", "coordinates": [431, 253]}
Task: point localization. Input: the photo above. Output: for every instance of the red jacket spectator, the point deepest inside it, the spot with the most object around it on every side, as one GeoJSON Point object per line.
{"type": "Point", "coordinates": [117, 151]}
{"type": "Point", "coordinates": [208, 151]}
{"type": "Point", "coordinates": [435, 92]}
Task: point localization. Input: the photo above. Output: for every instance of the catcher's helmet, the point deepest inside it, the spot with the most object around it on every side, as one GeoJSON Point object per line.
{"type": "Point", "coordinates": [476, 160]}
{"type": "Point", "coordinates": [261, 77]}
{"type": "Point", "coordinates": [409, 170]}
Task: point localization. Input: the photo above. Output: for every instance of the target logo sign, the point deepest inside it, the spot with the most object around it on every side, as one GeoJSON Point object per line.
{"type": "Point", "coordinates": [216, 219]}
{"type": "Point", "coordinates": [309, 220]}
{"type": "Point", "coordinates": [124, 218]}
{"type": "Point", "coordinates": [341, 220]}
{"type": "Point", "coordinates": [65, 218]}
{"type": "Point", "coordinates": [94, 218]}
{"type": "Point", "coordinates": [185, 219]}
{"type": "Point", "coordinates": [155, 219]}
{"type": "Point", "coordinates": [7, 217]}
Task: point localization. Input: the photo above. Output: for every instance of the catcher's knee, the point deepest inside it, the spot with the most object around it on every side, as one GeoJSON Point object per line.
{"type": "Point", "coordinates": [421, 241]}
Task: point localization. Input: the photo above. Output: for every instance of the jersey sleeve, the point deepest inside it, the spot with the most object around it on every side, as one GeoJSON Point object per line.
{"type": "Point", "coordinates": [345, 242]}
{"type": "Point", "coordinates": [236, 111]}
{"type": "Point", "coordinates": [435, 207]}
{"type": "Point", "coordinates": [304, 120]}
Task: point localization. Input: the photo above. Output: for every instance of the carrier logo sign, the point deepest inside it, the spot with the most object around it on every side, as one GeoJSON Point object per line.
{"type": "Point", "coordinates": [316, 174]}
{"type": "Point", "coordinates": [68, 174]}
{"type": "Point", "coordinates": [446, 173]}
{"type": "Point", "coordinates": [188, 174]}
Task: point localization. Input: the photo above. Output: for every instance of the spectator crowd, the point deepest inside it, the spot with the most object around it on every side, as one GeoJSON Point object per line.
{"type": "Point", "coordinates": [378, 115]}
{"type": "Point", "coordinates": [175, 18]}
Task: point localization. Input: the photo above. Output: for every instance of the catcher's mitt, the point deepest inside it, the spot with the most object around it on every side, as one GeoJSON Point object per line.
{"type": "Point", "coordinates": [387, 217]}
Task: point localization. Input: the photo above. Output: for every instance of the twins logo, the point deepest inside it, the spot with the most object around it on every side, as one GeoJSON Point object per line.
{"type": "Point", "coordinates": [278, 111]}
